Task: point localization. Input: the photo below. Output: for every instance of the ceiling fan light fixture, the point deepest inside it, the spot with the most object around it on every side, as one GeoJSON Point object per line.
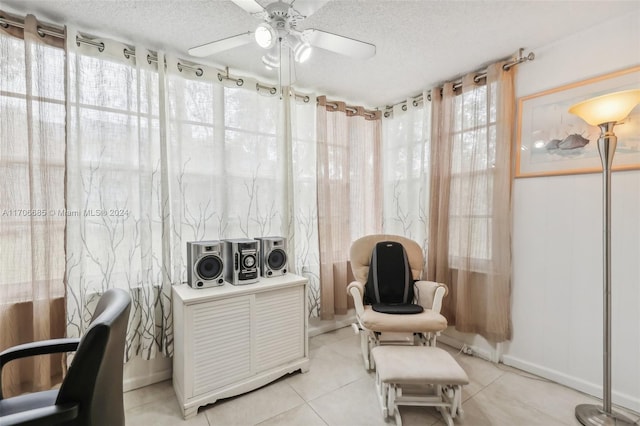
{"type": "Point", "coordinates": [265, 36]}
{"type": "Point", "coordinates": [302, 52]}
{"type": "Point", "coordinates": [271, 61]}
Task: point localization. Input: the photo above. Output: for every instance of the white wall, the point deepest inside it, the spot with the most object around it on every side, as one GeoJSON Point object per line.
{"type": "Point", "coordinates": [557, 240]}
{"type": "Point", "coordinates": [139, 372]}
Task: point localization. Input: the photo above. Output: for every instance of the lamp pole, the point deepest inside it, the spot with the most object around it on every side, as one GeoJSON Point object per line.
{"type": "Point", "coordinates": [605, 111]}
{"type": "Point", "coordinates": [589, 414]}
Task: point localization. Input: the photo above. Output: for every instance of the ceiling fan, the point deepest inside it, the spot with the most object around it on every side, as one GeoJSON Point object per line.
{"type": "Point", "coordinates": [279, 30]}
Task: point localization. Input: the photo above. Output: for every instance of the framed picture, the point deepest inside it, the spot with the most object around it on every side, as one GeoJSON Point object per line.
{"type": "Point", "coordinates": [551, 141]}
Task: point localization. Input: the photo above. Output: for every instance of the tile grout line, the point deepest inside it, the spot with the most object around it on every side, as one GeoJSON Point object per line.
{"type": "Point", "coordinates": [317, 414]}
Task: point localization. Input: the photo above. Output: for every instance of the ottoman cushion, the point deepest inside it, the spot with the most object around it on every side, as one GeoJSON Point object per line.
{"type": "Point", "coordinates": [417, 365]}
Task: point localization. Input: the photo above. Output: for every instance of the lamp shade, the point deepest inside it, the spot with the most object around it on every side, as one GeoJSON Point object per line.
{"type": "Point", "coordinates": [607, 108]}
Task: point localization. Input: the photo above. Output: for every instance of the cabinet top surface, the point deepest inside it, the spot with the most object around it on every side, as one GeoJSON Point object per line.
{"type": "Point", "coordinates": [190, 295]}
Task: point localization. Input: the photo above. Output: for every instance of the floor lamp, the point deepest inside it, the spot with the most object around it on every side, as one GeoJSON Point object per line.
{"type": "Point", "coordinates": [604, 112]}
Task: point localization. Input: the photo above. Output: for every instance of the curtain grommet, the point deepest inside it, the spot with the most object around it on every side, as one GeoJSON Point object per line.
{"type": "Point", "coordinates": [239, 82]}
{"type": "Point", "coordinates": [199, 72]}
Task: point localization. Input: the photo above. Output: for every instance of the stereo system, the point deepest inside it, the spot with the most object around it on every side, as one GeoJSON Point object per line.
{"type": "Point", "coordinates": [241, 260]}
{"type": "Point", "coordinates": [236, 261]}
{"type": "Point", "coordinates": [204, 264]}
{"type": "Point", "coordinates": [273, 256]}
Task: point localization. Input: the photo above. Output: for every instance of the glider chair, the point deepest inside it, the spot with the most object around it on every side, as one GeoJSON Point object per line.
{"type": "Point", "coordinates": [377, 328]}
{"type": "Point", "coordinates": [91, 391]}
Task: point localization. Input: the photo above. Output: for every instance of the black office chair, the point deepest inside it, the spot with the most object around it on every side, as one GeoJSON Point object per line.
{"type": "Point", "coordinates": [91, 392]}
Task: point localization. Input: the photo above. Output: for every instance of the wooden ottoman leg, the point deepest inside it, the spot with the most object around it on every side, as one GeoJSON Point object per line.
{"type": "Point", "coordinates": [364, 347]}
{"type": "Point", "coordinates": [394, 392]}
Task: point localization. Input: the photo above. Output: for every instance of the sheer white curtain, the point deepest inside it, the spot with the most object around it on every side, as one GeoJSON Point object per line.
{"type": "Point", "coordinates": [115, 204]}
{"type": "Point", "coordinates": [365, 182]}
{"type": "Point", "coordinates": [405, 167]}
{"type": "Point", "coordinates": [303, 237]}
{"type": "Point", "coordinates": [226, 160]}
{"type": "Point", "coordinates": [32, 225]}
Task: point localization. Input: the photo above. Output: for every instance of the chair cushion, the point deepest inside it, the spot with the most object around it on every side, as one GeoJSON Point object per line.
{"type": "Point", "coordinates": [29, 401]}
{"type": "Point", "coordinates": [417, 365]}
{"type": "Point", "coordinates": [426, 321]}
{"type": "Point", "coordinates": [397, 308]}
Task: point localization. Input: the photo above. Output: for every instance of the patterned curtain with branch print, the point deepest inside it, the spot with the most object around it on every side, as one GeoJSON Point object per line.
{"type": "Point", "coordinates": [302, 197]}
{"type": "Point", "coordinates": [405, 144]}
{"type": "Point", "coordinates": [225, 165]}
{"type": "Point", "coordinates": [116, 207]}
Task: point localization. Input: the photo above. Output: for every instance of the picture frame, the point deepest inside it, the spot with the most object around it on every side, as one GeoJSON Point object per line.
{"type": "Point", "coordinates": [551, 141]}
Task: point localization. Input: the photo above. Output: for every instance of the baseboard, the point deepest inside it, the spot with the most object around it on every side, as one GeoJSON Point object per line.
{"type": "Point", "coordinates": [620, 399]}
{"type": "Point", "coordinates": [458, 344]}
{"type": "Point", "coordinates": [146, 380]}
{"type": "Point", "coordinates": [317, 326]}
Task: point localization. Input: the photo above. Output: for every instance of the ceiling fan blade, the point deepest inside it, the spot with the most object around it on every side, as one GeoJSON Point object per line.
{"type": "Point", "coordinates": [250, 6]}
{"type": "Point", "coordinates": [308, 7]}
{"type": "Point", "coordinates": [214, 47]}
{"type": "Point", "coordinates": [340, 44]}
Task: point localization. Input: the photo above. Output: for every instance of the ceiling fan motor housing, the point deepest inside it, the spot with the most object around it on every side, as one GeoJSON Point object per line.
{"type": "Point", "coordinates": [282, 16]}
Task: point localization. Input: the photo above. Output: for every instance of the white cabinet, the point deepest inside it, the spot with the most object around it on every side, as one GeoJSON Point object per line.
{"type": "Point", "coordinates": [233, 339]}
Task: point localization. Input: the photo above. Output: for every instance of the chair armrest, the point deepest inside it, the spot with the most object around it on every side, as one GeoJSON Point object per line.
{"type": "Point", "coordinates": [356, 290]}
{"type": "Point", "coordinates": [430, 294]}
{"type": "Point", "coordinates": [44, 416]}
{"type": "Point", "coordinates": [41, 347]}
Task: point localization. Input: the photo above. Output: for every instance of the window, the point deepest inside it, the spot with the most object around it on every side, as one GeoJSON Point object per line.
{"type": "Point", "coordinates": [473, 160]}
{"type": "Point", "coordinates": [32, 156]}
{"type": "Point", "coordinates": [406, 171]}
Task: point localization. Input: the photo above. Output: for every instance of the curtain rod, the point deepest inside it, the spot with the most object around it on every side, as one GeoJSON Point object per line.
{"type": "Point", "coordinates": [352, 109]}
{"type": "Point", "coordinates": [57, 32]}
{"type": "Point", "coordinates": [458, 83]}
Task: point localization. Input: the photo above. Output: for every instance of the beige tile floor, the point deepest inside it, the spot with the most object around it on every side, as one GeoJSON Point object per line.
{"type": "Point", "coordinates": [337, 391]}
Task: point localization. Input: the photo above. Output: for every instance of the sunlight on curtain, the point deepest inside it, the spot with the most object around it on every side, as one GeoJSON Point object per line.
{"type": "Point", "coordinates": [348, 206]}
{"type": "Point", "coordinates": [32, 225]}
{"type": "Point", "coordinates": [303, 229]}
{"type": "Point", "coordinates": [405, 169]}
{"type": "Point", "coordinates": [226, 168]}
{"type": "Point", "coordinates": [365, 183]}
{"type": "Point", "coordinates": [470, 229]}
{"type": "Point", "coordinates": [115, 204]}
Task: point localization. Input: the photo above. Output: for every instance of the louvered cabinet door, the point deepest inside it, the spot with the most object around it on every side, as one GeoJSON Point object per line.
{"type": "Point", "coordinates": [279, 327]}
{"type": "Point", "coordinates": [233, 339]}
{"type": "Point", "coordinates": [221, 343]}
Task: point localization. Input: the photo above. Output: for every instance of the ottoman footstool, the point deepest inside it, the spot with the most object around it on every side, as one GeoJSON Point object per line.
{"type": "Point", "coordinates": [418, 376]}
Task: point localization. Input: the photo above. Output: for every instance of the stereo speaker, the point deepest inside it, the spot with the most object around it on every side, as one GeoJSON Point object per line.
{"type": "Point", "coordinates": [205, 266]}
{"type": "Point", "coordinates": [273, 256]}
{"type": "Point", "coordinates": [241, 258]}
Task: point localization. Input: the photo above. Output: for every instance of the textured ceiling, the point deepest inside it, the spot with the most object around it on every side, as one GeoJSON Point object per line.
{"type": "Point", "coordinates": [419, 43]}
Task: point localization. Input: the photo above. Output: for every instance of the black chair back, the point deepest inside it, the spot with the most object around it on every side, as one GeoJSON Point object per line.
{"type": "Point", "coordinates": [95, 374]}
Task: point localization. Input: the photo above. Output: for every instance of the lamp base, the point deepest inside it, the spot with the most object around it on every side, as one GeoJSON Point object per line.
{"type": "Point", "coordinates": [593, 415]}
